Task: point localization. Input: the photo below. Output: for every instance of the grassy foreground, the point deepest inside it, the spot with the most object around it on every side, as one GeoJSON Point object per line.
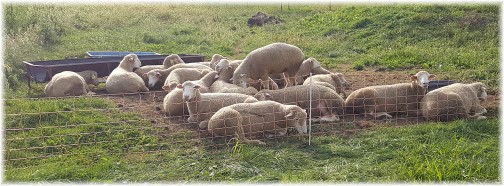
{"type": "Point", "coordinates": [97, 143]}
{"type": "Point", "coordinates": [90, 140]}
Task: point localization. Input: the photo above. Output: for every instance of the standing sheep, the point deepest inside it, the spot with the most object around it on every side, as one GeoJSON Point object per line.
{"type": "Point", "coordinates": [272, 58]}
{"type": "Point", "coordinates": [335, 81]}
{"type": "Point", "coordinates": [123, 80]}
{"type": "Point", "coordinates": [69, 83]}
{"type": "Point", "coordinates": [327, 105]}
{"type": "Point", "coordinates": [202, 106]}
{"type": "Point", "coordinates": [250, 120]}
{"type": "Point", "coordinates": [454, 101]}
{"type": "Point", "coordinates": [380, 100]}
{"type": "Point", "coordinates": [308, 65]}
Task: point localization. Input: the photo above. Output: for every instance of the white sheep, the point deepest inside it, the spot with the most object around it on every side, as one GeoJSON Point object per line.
{"type": "Point", "coordinates": [335, 81]}
{"type": "Point", "coordinates": [225, 62]}
{"type": "Point", "coordinates": [123, 80]}
{"type": "Point", "coordinates": [169, 61]}
{"type": "Point", "coordinates": [203, 84]}
{"type": "Point", "coordinates": [327, 105]}
{"type": "Point", "coordinates": [221, 85]}
{"type": "Point", "coordinates": [158, 76]}
{"type": "Point", "coordinates": [249, 121]}
{"type": "Point", "coordinates": [454, 101]}
{"type": "Point", "coordinates": [69, 83]}
{"type": "Point", "coordinates": [174, 105]}
{"type": "Point", "coordinates": [202, 106]}
{"type": "Point", "coordinates": [181, 75]}
{"type": "Point", "coordinates": [272, 58]}
{"type": "Point", "coordinates": [213, 62]}
{"type": "Point", "coordinates": [380, 100]}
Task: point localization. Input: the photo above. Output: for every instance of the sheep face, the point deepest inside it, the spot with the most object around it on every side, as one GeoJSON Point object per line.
{"type": "Point", "coordinates": [153, 76]}
{"type": "Point", "coordinates": [133, 58]}
{"type": "Point", "coordinates": [263, 96]}
{"type": "Point", "coordinates": [95, 79]}
{"type": "Point", "coordinates": [422, 78]}
{"type": "Point", "coordinates": [341, 78]}
{"type": "Point", "coordinates": [296, 117]}
{"type": "Point", "coordinates": [481, 90]}
{"type": "Point", "coordinates": [221, 64]}
{"type": "Point", "coordinates": [188, 90]}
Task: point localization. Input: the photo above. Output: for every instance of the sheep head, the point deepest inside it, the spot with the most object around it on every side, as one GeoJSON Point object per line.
{"type": "Point", "coordinates": [94, 79]}
{"type": "Point", "coordinates": [189, 90]}
{"type": "Point", "coordinates": [339, 77]}
{"type": "Point", "coordinates": [131, 59]}
{"type": "Point", "coordinates": [171, 60]}
{"type": "Point", "coordinates": [481, 90]}
{"type": "Point", "coordinates": [421, 79]}
{"type": "Point", "coordinates": [262, 96]}
{"type": "Point", "coordinates": [296, 117]}
{"type": "Point", "coordinates": [307, 66]}
{"type": "Point", "coordinates": [153, 76]}
{"type": "Point", "coordinates": [221, 65]}
{"type": "Point", "coordinates": [216, 58]}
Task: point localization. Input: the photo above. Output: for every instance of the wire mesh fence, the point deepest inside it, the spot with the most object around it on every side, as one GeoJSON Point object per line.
{"type": "Point", "coordinates": [43, 130]}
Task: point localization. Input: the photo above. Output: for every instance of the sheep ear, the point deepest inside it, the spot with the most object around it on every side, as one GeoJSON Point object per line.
{"type": "Point", "coordinates": [291, 114]}
{"type": "Point", "coordinates": [268, 95]}
{"type": "Point", "coordinates": [216, 76]}
{"type": "Point", "coordinates": [413, 77]}
{"type": "Point", "coordinates": [243, 75]}
{"type": "Point", "coordinates": [131, 58]}
{"type": "Point", "coordinates": [145, 75]}
{"type": "Point", "coordinates": [229, 67]}
{"type": "Point", "coordinates": [197, 87]}
{"type": "Point", "coordinates": [432, 76]}
{"type": "Point", "coordinates": [165, 87]}
{"type": "Point", "coordinates": [158, 74]}
{"type": "Point", "coordinates": [93, 76]}
{"type": "Point", "coordinates": [178, 86]}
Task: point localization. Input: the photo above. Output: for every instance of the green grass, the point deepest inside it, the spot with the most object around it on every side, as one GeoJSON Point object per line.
{"type": "Point", "coordinates": [115, 146]}
{"type": "Point", "coordinates": [90, 140]}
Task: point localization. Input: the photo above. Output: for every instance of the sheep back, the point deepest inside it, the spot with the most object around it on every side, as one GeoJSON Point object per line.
{"type": "Point", "coordinates": [66, 83]}
{"type": "Point", "coordinates": [272, 58]}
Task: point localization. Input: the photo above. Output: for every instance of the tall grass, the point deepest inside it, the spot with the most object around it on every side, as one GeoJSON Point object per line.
{"type": "Point", "coordinates": [461, 41]}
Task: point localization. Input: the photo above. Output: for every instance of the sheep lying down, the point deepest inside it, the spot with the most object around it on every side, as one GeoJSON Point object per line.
{"type": "Point", "coordinates": [327, 105]}
{"type": "Point", "coordinates": [248, 121]}
{"type": "Point", "coordinates": [378, 101]}
{"type": "Point", "coordinates": [455, 101]}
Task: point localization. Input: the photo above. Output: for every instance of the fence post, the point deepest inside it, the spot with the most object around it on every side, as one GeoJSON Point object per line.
{"type": "Point", "coordinates": [310, 111]}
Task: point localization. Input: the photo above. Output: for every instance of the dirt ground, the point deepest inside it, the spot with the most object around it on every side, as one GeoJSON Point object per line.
{"type": "Point", "coordinates": [149, 105]}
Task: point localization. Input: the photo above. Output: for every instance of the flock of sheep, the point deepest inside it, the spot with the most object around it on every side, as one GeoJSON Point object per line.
{"type": "Point", "coordinates": [240, 98]}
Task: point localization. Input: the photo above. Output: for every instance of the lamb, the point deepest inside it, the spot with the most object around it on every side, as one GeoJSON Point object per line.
{"type": "Point", "coordinates": [253, 119]}
{"type": "Point", "coordinates": [173, 104]}
{"type": "Point", "coordinates": [68, 83]}
{"type": "Point", "coordinates": [221, 85]}
{"type": "Point", "coordinates": [123, 80]}
{"type": "Point", "coordinates": [158, 76]}
{"type": "Point", "coordinates": [181, 75]}
{"type": "Point", "coordinates": [380, 100]}
{"type": "Point", "coordinates": [335, 81]}
{"type": "Point", "coordinates": [272, 58]}
{"type": "Point", "coordinates": [327, 105]}
{"type": "Point", "coordinates": [202, 106]}
{"type": "Point", "coordinates": [454, 101]}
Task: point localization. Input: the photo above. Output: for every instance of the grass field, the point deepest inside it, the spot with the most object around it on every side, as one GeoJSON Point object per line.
{"type": "Point", "coordinates": [92, 140]}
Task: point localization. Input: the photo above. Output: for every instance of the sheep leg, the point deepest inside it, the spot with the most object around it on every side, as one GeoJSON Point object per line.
{"type": "Point", "coordinates": [327, 117]}
{"type": "Point", "coordinates": [265, 77]}
{"type": "Point", "coordinates": [203, 125]}
{"type": "Point", "coordinates": [241, 135]}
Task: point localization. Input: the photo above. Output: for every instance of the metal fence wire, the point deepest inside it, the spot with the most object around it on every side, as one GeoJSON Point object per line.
{"type": "Point", "coordinates": [48, 128]}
